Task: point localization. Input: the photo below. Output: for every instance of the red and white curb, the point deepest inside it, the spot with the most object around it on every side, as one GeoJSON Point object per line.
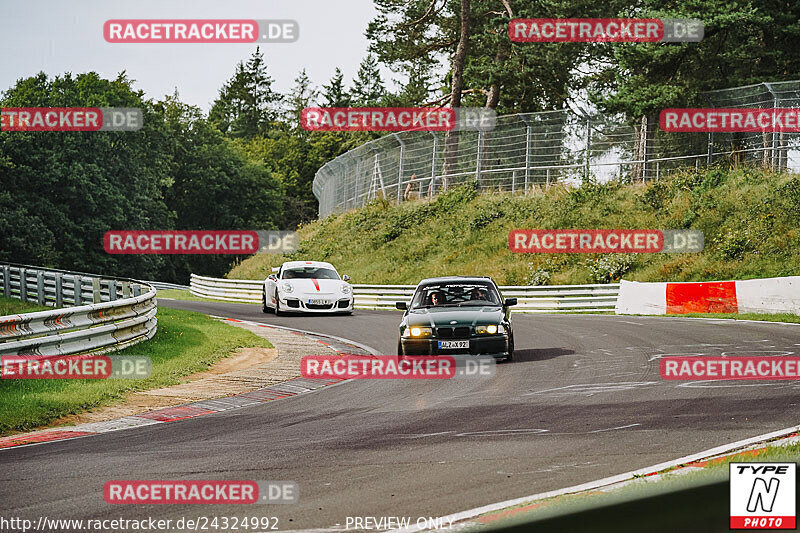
{"type": "Point", "coordinates": [277, 391]}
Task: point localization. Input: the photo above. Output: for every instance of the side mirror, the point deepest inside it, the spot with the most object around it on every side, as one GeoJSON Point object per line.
{"type": "Point", "coordinates": [510, 301]}
{"type": "Point", "coordinates": [401, 305]}
{"type": "Point", "coordinates": [273, 277]}
{"type": "Point", "coordinates": [345, 278]}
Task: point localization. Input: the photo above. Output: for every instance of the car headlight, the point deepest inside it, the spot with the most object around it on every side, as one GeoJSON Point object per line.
{"type": "Point", "coordinates": [417, 331]}
{"type": "Point", "coordinates": [346, 289]}
{"type": "Point", "coordinates": [287, 287]}
{"type": "Point", "coordinates": [490, 329]}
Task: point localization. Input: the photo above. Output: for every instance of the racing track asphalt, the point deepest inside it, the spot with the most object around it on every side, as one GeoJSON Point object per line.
{"type": "Point", "coordinates": [582, 401]}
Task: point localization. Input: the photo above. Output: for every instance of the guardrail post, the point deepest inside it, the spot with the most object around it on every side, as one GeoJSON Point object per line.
{"type": "Point", "coordinates": [137, 290]}
{"type": "Point", "coordinates": [112, 290]}
{"type": "Point", "coordinates": [96, 296]}
{"type": "Point", "coordinates": [40, 287]}
{"type": "Point", "coordinates": [77, 290]}
{"type": "Point", "coordinates": [126, 289]}
{"type": "Point", "coordinates": [6, 281]}
{"type": "Point", "coordinates": [23, 285]}
{"type": "Point", "coordinates": [59, 289]}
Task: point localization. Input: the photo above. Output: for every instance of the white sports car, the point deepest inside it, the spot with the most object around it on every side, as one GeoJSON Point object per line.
{"type": "Point", "coordinates": [306, 287]}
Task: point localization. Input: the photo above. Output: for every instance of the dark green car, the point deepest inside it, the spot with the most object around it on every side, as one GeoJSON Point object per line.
{"type": "Point", "coordinates": [457, 315]}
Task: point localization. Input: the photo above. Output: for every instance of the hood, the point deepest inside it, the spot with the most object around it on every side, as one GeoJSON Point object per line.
{"type": "Point", "coordinates": [463, 316]}
{"type": "Point", "coordinates": [316, 286]}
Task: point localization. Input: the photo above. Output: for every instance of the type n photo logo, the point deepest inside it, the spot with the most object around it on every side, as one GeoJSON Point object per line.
{"type": "Point", "coordinates": [763, 495]}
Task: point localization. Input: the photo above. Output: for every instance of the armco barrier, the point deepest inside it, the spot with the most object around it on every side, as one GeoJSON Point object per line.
{"type": "Point", "coordinates": [769, 295]}
{"type": "Point", "coordinates": [532, 299]}
{"type": "Point", "coordinates": [106, 313]}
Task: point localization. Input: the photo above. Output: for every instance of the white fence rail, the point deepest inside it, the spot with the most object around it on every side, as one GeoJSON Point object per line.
{"type": "Point", "coordinates": [531, 299]}
{"type": "Point", "coordinates": [106, 314]}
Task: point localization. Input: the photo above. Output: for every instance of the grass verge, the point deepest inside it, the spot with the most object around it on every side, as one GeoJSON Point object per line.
{"type": "Point", "coordinates": [750, 219]}
{"type": "Point", "coordinates": [186, 342]}
{"type": "Point", "coordinates": [765, 317]}
{"type": "Point", "coordinates": [12, 306]}
{"type": "Point", "coordinates": [178, 294]}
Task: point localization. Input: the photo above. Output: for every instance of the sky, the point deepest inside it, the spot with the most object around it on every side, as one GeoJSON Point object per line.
{"type": "Point", "coordinates": [67, 36]}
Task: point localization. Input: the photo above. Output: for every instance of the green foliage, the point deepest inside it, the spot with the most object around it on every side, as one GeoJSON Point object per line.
{"type": "Point", "coordinates": [462, 233]}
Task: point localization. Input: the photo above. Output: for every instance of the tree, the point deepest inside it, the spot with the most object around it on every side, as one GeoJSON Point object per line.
{"type": "Point", "coordinates": [334, 94]}
{"type": "Point", "coordinates": [301, 96]}
{"type": "Point", "coordinates": [368, 88]}
{"type": "Point", "coordinates": [247, 104]}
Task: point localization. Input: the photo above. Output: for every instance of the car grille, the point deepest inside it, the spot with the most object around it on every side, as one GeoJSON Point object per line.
{"type": "Point", "coordinates": [461, 332]}
{"type": "Point", "coordinates": [319, 306]}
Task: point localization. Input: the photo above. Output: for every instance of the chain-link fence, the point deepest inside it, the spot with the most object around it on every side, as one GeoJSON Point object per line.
{"type": "Point", "coordinates": [538, 149]}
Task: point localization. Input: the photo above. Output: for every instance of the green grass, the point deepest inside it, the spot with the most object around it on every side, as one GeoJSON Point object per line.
{"type": "Point", "coordinates": [676, 480]}
{"type": "Point", "coordinates": [750, 219]}
{"type": "Point", "coordinates": [777, 317]}
{"type": "Point", "coordinates": [177, 294]}
{"type": "Point", "coordinates": [11, 306]}
{"type": "Point", "coordinates": [186, 342]}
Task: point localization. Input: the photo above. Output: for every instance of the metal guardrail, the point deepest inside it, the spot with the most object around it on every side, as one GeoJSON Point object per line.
{"type": "Point", "coordinates": [532, 299]}
{"type": "Point", "coordinates": [104, 314]}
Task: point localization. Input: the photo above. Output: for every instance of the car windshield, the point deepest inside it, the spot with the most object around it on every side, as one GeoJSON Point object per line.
{"type": "Point", "coordinates": [455, 295]}
{"type": "Point", "coordinates": [309, 272]}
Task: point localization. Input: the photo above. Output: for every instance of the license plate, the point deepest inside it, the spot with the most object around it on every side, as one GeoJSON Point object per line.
{"type": "Point", "coordinates": [319, 302]}
{"type": "Point", "coordinates": [453, 345]}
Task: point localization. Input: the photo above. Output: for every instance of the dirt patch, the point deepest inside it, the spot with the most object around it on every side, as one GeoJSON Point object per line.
{"type": "Point", "coordinates": [209, 383]}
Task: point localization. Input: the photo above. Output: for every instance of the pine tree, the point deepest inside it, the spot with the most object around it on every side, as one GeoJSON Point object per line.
{"type": "Point", "coordinates": [335, 94]}
{"type": "Point", "coordinates": [368, 88]}
{"type": "Point", "coordinates": [302, 95]}
{"type": "Point", "coordinates": [247, 104]}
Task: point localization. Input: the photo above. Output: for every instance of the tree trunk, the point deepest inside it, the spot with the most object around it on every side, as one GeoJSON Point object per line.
{"type": "Point", "coordinates": [451, 138]}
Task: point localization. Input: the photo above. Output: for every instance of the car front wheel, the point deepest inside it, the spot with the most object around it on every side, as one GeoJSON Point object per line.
{"type": "Point", "coordinates": [278, 311]}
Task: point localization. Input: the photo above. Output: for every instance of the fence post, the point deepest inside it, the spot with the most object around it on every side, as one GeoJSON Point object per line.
{"type": "Point", "coordinates": [59, 289]}
{"type": "Point", "coordinates": [645, 149]}
{"type": "Point", "coordinates": [775, 103]}
{"type": "Point", "coordinates": [77, 290]}
{"type": "Point", "coordinates": [23, 285]}
{"type": "Point", "coordinates": [112, 290]}
{"type": "Point", "coordinates": [433, 164]}
{"type": "Point", "coordinates": [400, 166]}
{"type": "Point", "coordinates": [479, 159]}
{"type": "Point", "coordinates": [588, 144]}
{"type": "Point", "coordinates": [40, 287]}
{"type": "Point", "coordinates": [6, 281]}
{"type": "Point", "coordinates": [96, 296]}
{"type": "Point", "coordinates": [528, 135]}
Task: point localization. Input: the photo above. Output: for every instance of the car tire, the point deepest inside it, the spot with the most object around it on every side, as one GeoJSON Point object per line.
{"type": "Point", "coordinates": [278, 311]}
{"type": "Point", "coordinates": [264, 307]}
{"type": "Point", "coordinates": [510, 350]}
{"type": "Point", "coordinates": [400, 349]}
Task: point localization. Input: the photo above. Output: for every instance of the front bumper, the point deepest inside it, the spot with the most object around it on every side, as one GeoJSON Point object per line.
{"type": "Point", "coordinates": [299, 304]}
{"type": "Point", "coordinates": [494, 345]}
